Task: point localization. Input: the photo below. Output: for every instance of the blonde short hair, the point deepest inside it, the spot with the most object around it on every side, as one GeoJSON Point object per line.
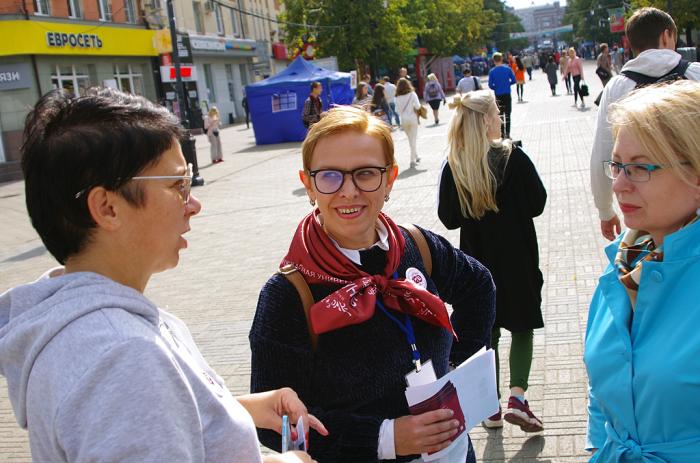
{"type": "Point", "coordinates": [665, 119]}
{"type": "Point", "coordinates": [214, 111]}
{"type": "Point", "coordinates": [432, 76]}
{"type": "Point", "coordinates": [345, 119]}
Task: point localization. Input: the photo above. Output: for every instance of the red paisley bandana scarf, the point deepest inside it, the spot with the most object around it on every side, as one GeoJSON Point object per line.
{"type": "Point", "coordinates": [314, 254]}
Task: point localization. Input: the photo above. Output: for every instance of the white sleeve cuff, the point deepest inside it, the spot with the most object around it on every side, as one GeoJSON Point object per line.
{"type": "Point", "coordinates": [386, 450]}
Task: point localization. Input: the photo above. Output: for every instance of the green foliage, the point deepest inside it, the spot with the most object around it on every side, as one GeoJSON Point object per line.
{"type": "Point", "coordinates": [595, 26]}
{"type": "Point", "coordinates": [686, 13]}
{"type": "Point", "coordinates": [384, 36]}
{"type": "Point", "coordinates": [506, 22]}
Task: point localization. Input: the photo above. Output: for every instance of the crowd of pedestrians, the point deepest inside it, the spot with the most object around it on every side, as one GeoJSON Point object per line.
{"type": "Point", "coordinates": [97, 372]}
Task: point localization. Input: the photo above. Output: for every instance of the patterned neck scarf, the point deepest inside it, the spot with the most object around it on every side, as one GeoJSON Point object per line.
{"type": "Point", "coordinates": [313, 253]}
{"type": "Point", "coordinates": [637, 247]}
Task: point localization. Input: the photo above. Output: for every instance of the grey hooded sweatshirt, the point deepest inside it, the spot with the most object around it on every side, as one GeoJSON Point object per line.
{"type": "Point", "coordinates": [97, 373]}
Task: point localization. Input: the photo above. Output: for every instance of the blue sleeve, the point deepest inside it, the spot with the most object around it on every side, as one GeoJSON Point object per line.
{"type": "Point", "coordinates": [595, 434]}
{"type": "Point", "coordinates": [492, 83]}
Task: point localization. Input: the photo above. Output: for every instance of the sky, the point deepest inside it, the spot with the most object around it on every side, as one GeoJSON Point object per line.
{"type": "Point", "coordinates": [517, 4]}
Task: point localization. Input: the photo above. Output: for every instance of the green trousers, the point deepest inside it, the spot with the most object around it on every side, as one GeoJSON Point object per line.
{"type": "Point", "coordinates": [520, 358]}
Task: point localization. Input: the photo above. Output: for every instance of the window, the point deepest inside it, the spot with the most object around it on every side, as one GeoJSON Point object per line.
{"type": "Point", "coordinates": [235, 25]}
{"type": "Point", "coordinates": [105, 7]}
{"type": "Point", "coordinates": [209, 80]}
{"type": "Point", "coordinates": [219, 19]}
{"type": "Point", "coordinates": [129, 78]}
{"type": "Point", "coordinates": [229, 81]}
{"type": "Point", "coordinates": [244, 74]}
{"type": "Point", "coordinates": [74, 8]}
{"type": "Point", "coordinates": [286, 101]}
{"type": "Point", "coordinates": [198, 23]}
{"type": "Point", "coordinates": [41, 7]}
{"type": "Point", "coordinates": [130, 11]}
{"type": "Point", "coordinates": [70, 78]}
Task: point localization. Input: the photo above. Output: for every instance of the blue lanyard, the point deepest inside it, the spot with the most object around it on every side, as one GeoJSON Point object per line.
{"type": "Point", "coordinates": [406, 327]}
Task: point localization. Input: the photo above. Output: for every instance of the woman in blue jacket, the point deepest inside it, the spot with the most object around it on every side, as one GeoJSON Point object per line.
{"type": "Point", "coordinates": [642, 344]}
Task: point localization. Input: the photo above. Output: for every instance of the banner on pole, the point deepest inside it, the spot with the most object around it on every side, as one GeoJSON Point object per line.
{"type": "Point", "coordinates": [617, 19]}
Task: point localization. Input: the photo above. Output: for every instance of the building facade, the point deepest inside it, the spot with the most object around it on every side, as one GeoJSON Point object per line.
{"type": "Point", "coordinates": [540, 22]}
{"type": "Point", "coordinates": [73, 45]}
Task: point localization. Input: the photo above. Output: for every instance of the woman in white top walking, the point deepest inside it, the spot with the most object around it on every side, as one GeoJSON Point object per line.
{"type": "Point", "coordinates": [212, 124]}
{"type": "Point", "coordinates": [407, 104]}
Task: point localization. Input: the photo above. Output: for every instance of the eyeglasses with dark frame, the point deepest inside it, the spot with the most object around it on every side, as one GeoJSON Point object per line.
{"type": "Point", "coordinates": [367, 179]}
{"type": "Point", "coordinates": [635, 172]}
{"type": "Point", "coordinates": [184, 187]}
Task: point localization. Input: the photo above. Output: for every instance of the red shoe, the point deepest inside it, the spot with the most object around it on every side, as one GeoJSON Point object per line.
{"type": "Point", "coordinates": [519, 414]}
{"type": "Point", "coordinates": [494, 421]}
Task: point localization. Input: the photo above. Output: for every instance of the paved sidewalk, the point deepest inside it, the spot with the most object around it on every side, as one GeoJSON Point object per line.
{"type": "Point", "coordinates": [253, 202]}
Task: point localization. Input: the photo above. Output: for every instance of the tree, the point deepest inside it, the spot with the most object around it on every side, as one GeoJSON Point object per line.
{"type": "Point", "coordinates": [685, 13]}
{"type": "Point", "coordinates": [506, 23]}
{"type": "Point", "coordinates": [591, 20]}
{"type": "Point", "coordinates": [383, 32]}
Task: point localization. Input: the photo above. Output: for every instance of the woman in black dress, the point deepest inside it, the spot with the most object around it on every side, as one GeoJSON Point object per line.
{"type": "Point", "coordinates": [491, 191]}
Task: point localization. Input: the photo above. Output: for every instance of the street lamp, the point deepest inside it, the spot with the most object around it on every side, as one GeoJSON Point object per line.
{"type": "Point", "coordinates": [187, 142]}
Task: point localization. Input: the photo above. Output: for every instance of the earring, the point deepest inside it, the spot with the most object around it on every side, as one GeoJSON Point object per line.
{"type": "Point", "coordinates": [312, 202]}
{"type": "Point", "coordinates": [386, 199]}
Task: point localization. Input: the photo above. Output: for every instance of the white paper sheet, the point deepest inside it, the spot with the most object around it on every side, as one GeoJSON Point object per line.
{"type": "Point", "coordinates": [475, 381]}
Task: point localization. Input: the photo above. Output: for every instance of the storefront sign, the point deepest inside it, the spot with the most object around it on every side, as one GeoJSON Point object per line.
{"type": "Point", "coordinates": [58, 39]}
{"type": "Point", "coordinates": [50, 38]}
{"type": "Point", "coordinates": [14, 76]}
{"type": "Point", "coordinates": [188, 73]}
{"type": "Point", "coordinates": [224, 45]}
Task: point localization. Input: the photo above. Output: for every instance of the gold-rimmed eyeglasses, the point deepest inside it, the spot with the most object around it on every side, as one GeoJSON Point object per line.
{"type": "Point", "coordinates": [184, 185]}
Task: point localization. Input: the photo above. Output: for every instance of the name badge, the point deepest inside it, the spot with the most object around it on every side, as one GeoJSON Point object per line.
{"type": "Point", "coordinates": [416, 277]}
{"type": "Point", "coordinates": [426, 375]}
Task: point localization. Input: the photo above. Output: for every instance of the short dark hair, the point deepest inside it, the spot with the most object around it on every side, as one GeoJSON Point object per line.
{"type": "Point", "coordinates": [315, 84]}
{"type": "Point", "coordinates": [467, 70]}
{"type": "Point", "coordinates": [72, 144]}
{"type": "Point", "coordinates": [645, 26]}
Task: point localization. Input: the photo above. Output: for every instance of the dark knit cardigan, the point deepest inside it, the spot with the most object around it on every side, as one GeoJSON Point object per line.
{"type": "Point", "coordinates": [356, 376]}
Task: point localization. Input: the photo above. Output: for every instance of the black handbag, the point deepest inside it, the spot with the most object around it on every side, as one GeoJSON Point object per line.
{"type": "Point", "coordinates": [583, 91]}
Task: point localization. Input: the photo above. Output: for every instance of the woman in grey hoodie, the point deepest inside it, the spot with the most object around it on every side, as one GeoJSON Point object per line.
{"type": "Point", "coordinates": [96, 371]}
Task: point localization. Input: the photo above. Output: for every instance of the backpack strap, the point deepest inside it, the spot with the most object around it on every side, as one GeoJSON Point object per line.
{"type": "Point", "coordinates": [422, 244]}
{"type": "Point", "coordinates": [643, 79]}
{"type": "Point", "coordinates": [307, 299]}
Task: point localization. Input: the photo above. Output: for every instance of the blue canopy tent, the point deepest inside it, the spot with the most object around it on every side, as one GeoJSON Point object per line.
{"type": "Point", "coordinates": [276, 103]}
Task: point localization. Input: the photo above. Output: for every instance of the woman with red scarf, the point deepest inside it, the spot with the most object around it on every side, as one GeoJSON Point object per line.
{"type": "Point", "coordinates": [377, 311]}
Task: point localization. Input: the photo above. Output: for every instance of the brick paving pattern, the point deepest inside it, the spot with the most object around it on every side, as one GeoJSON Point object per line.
{"type": "Point", "coordinates": [253, 202]}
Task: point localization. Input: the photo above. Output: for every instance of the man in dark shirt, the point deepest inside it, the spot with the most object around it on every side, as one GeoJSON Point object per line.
{"type": "Point", "coordinates": [501, 77]}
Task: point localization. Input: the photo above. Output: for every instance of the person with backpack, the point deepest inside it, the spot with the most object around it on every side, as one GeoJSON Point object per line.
{"type": "Point", "coordinates": [355, 306]}
{"type": "Point", "coordinates": [652, 35]}
{"type": "Point", "coordinates": [490, 190]}
{"type": "Point", "coordinates": [434, 95]}
{"type": "Point", "coordinates": [379, 107]}
{"type": "Point", "coordinates": [468, 83]}
{"type": "Point", "coordinates": [313, 106]}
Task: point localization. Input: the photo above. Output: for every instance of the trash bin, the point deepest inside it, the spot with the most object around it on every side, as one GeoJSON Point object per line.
{"type": "Point", "coordinates": [187, 144]}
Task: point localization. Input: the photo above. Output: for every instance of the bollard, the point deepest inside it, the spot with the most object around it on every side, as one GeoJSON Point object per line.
{"type": "Point", "coordinates": [187, 144]}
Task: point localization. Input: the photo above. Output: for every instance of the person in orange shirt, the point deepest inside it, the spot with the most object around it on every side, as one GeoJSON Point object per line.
{"type": "Point", "coordinates": [519, 71]}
